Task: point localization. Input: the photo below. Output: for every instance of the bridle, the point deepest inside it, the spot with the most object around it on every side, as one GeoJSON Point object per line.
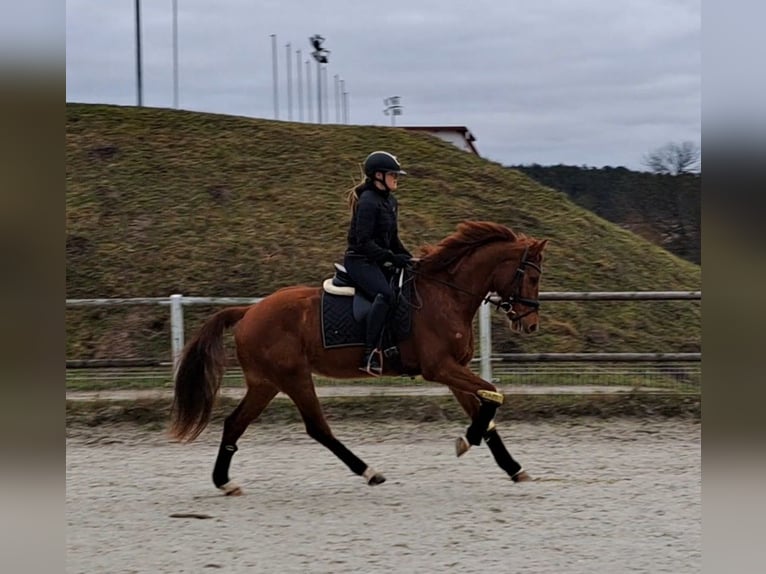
{"type": "Point", "coordinates": [505, 303]}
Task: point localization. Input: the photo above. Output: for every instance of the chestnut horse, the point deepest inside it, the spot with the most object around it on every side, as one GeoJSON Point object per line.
{"type": "Point", "coordinates": [279, 346]}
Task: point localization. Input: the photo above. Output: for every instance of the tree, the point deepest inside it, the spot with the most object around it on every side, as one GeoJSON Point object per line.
{"type": "Point", "coordinates": [673, 158]}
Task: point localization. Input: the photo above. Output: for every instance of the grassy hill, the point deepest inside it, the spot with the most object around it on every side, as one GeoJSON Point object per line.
{"type": "Point", "coordinates": [165, 201]}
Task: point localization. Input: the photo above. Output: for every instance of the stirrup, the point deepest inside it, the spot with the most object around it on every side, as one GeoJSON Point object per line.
{"type": "Point", "coordinates": [369, 369]}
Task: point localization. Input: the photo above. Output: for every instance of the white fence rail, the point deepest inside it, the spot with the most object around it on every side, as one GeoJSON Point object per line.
{"type": "Point", "coordinates": [176, 303]}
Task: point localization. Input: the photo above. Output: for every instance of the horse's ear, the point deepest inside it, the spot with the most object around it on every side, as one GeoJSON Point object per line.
{"type": "Point", "coordinates": [538, 246]}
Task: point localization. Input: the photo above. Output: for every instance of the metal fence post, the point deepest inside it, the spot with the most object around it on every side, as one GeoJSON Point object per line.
{"type": "Point", "coordinates": [485, 342]}
{"type": "Point", "coordinates": [176, 327]}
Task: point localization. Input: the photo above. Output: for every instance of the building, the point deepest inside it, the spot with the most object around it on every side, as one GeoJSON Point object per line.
{"type": "Point", "coordinates": [459, 136]}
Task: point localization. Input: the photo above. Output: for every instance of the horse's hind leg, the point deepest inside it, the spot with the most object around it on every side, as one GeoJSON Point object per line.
{"type": "Point", "coordinates": [259, 394]}
{"type": "Point", "coordinates": [317, 428]}
{"type": "Point", "coordinates": [492, 438]}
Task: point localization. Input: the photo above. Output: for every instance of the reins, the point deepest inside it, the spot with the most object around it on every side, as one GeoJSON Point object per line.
{"type": "Point", "coordinates": [487, 299]}
{"type": "Point", "coordinates": [504, 304]}
{"type": "Point", "coordinates": [441, 281]}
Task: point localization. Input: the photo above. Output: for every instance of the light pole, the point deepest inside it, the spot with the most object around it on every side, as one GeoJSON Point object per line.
{"type": "Point", "coordinates": [289, 61]}
{"type": "Point", "coordinates": [321, 56]}
{"type": "Point", "coordinates": [393, 108]}
{"type": "Point", "coordinates": [175, 54]}
{"type": "Point", "coordinates": [325, 95]}
{"type": "Point", "coordinates": [344, 116]}
{"type": "Point", "coordinates": [337, 99]}
{"type": "Point", "coordinates": [298, 65]}
{"type": "Point", "coordinates": [308, 90]}
{"type": "Point", "coordinates": [275, 74]}
{"type": "Point", "coordinates": [139, 83]}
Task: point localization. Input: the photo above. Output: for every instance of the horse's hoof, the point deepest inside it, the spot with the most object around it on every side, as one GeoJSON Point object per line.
{"type": "Point", "coordinates": [376, 479]}
{"type": "Point", "coordinates": [461, 446]}
{"type": "Point", "coordinates": [521, 476]}
{"type": "Point", "coordinates": [231, 489]}
{"type": "Point", "coordinates": [373, 477]}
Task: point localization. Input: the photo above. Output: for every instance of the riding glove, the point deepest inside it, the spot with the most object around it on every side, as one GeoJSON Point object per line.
{"type": "Point", "coordinates": [400, 260]}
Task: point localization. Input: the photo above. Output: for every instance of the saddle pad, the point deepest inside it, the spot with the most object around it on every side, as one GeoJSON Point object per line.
{"type": "Point", "coordinates": [338, 326]}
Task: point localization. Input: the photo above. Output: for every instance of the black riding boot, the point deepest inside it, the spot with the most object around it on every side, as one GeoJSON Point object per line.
{"type": "Point", "coordinates": [372, 361]}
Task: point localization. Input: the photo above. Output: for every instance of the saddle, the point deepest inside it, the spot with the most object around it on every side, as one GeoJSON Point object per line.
{"type": "Point", "coordinates": [344, 310]}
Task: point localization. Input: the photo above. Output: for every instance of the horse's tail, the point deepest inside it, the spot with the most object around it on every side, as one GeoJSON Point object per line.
{"type": "Point", "coordinates": [199, 374]}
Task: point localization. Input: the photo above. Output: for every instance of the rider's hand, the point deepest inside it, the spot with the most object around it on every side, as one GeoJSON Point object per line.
{"type": "Point", "coordinates": [400, 260]}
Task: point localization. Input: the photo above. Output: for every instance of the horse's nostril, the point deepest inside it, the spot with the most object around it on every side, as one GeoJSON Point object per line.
{"type": "Point", "coordinates": [533, 328]}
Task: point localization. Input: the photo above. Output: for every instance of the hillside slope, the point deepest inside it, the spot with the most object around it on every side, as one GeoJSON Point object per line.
{"type": "Point", "coordinates": [166, 201]}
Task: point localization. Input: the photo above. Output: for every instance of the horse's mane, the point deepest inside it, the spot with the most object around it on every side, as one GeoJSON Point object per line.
{"type": "Point", "coordinates": [469, 236]}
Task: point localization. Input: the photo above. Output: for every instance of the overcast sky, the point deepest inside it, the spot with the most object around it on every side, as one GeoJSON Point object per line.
{"type": "Point", "coordinates": [585, 82]}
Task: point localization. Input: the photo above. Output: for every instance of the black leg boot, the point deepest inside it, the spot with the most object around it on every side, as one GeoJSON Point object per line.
{"type": "Point", "coordinates": [489, 402]}
{"type": "Point", "coordinates": [372, 362]}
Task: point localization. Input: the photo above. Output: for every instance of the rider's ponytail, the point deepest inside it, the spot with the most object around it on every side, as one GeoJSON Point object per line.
{"type": "Point", "coordinates": [352, 197]}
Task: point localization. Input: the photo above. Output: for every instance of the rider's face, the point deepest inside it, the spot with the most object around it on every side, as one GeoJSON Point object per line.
{"type": "Point", "coordinates": [392, 180]}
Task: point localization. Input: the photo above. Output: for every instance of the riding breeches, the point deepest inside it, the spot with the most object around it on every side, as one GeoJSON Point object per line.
{"type": "Point", "coordinates": [368, 277]}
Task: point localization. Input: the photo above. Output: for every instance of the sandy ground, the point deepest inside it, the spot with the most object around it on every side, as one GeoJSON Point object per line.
{"type": "Point", "coordinates": [618, 495]}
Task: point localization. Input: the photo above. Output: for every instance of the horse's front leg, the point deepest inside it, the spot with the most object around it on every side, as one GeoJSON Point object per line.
{"type": "Point", "coordinates": [502, 457]}
{"type": "Point", "coordinates": [481, 400]}
{"type": "Point", "coordinates": [460, 378]}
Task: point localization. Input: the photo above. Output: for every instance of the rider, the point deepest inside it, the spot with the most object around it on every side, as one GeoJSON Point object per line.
{"type": "Point", "coordinates": [374, 248]}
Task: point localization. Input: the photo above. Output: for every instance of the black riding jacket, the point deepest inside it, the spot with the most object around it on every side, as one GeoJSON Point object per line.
{"type": "Point", "coordinates": [374, 230]}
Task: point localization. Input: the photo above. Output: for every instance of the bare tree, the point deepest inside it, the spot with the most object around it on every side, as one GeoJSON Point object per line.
{"type": "Point", "coordinates": [673, 158]}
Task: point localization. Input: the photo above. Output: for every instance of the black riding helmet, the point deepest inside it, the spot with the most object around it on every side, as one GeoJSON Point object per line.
{"type": "Point", "coordinates": [382, 161]}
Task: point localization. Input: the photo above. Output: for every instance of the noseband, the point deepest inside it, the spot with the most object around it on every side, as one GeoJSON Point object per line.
{"type": "Point", "coordinates": [506, 303]}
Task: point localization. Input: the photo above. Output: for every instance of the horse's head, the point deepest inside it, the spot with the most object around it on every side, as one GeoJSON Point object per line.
{"type": "Point", "coordinates": [517, 281]}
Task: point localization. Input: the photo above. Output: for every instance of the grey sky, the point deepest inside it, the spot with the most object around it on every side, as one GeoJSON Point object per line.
{"type": "Point", "coordinates": [592, 82]}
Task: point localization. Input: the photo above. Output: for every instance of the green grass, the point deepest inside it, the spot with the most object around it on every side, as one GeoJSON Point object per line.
{"type": "Point", "coordinates": [164, 201]}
